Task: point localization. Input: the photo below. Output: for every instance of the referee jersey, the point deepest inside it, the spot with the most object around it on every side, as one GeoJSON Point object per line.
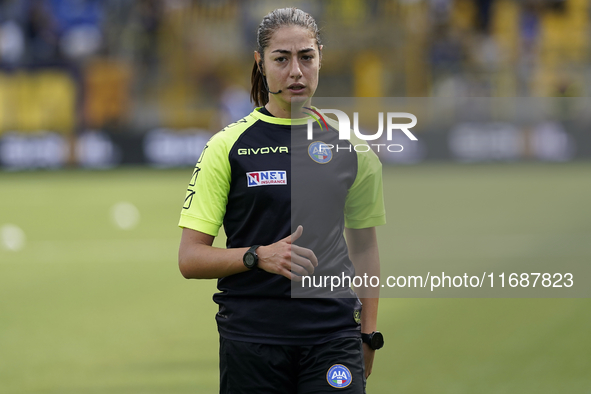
{"type": "Point", "coordinates": [260, 178]}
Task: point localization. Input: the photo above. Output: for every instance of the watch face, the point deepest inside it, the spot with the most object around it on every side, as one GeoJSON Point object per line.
{"type": "Point", "coordinates": [249, 260]}
{"type": "Point", "coordinates": [377, 340]}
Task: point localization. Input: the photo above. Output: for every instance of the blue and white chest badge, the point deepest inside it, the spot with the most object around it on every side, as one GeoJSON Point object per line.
{"type": "Point", "coordinates": [339, 376]}
{"type": "Point", "coordinates": [320, 152]}
{"type": "Point", "coordinates": [266, 178]}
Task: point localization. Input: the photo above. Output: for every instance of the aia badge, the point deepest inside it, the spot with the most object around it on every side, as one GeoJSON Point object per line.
{"type": "Point", "coordinates": [320, 152]}
{"type": "Point", "coordinates": [339, 376]}
{"type": "Point", "coordinates": [266, 178]}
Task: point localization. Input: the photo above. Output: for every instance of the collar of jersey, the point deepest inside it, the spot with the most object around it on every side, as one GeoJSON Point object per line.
{"type": "Point", "coordinates": [274, 120]}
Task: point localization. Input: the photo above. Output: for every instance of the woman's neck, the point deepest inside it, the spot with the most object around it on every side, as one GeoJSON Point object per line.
{"type": "Point", "coordinates": [279, 112]}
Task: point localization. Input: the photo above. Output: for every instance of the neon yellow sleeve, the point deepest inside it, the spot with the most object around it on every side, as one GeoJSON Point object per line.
{"type": "Point", "coordinates": [207, 193]}
{"type": "Point", "coordinates": [364, 206]}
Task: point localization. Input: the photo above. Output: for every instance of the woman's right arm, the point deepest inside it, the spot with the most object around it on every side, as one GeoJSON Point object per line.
{"type": "Point", "coordinates": [199, 260]}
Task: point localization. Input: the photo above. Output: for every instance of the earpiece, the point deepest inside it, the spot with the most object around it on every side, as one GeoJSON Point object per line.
{"type": "Point", "coordinates": [260, 64]}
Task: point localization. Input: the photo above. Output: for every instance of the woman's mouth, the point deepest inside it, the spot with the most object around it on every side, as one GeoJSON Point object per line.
{"type": "Point", "coordinates": [296, 87]}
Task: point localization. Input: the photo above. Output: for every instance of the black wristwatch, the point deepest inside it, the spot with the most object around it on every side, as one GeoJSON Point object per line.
{"type": "Point", "coordinates": [375, 340]}
{"type": "Point", "coordinates": [250, 258]}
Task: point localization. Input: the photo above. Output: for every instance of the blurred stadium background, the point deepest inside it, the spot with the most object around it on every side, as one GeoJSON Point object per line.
{"type": "Point", "coordinates": [100, 83]}
{"type": "Point", "coordinates": [91, 300]}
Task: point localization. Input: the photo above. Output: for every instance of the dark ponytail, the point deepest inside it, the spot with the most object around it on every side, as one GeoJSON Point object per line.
{"type": "Point", "coordinates": [259, 94]}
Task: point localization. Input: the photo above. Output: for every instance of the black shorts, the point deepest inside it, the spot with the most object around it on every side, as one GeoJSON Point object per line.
{"type": "Point", "coordinates": [332, 367]}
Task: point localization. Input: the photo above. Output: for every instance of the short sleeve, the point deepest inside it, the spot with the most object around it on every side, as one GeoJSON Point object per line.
{"type": "Point", "coordinates": [364, 206]}
{"type": "Point", "coordinates": [207, 194]}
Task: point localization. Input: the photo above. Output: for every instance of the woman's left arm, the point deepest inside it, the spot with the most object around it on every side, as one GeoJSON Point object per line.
{"type": "Point", "coordinates": [363, 252]}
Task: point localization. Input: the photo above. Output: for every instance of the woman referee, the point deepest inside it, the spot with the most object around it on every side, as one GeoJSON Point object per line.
{"type": "Point", "coordinates": [245, 180]}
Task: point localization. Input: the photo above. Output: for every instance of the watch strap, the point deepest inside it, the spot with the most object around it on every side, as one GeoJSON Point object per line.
{"type": "Point", "coordinates": [366, 338]}
{"type": "Point", "coordinates": [253, 249]}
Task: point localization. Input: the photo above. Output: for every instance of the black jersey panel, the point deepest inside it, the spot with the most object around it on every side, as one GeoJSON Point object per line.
{"type": "Point", "coordinates": [302, 321]}
{"type": "Point", "coordinates": [319, 192]}
{"type": "Point", "coordinates": [258, 208]}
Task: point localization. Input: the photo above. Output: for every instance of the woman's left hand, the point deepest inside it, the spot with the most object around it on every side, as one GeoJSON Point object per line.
{"type": "Point", "coordinates": [368, 355]}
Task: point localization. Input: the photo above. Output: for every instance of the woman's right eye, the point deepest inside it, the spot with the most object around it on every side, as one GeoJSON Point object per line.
{"type": "Point", "coordinates": [280, 59]}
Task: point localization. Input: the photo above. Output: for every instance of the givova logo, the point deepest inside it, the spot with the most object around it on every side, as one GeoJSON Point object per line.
{"type": "Point", "coordinates": [339, 376]}
{"type": "Point", "coordinates": [265, 178]}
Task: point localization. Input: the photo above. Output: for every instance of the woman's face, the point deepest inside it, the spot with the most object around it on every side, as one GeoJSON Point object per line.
{"type": "Point", "coordinates": [291, 65]}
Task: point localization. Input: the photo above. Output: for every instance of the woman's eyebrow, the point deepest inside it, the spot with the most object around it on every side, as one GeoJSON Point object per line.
{"type": "Point", "coordinates": [285, 51]}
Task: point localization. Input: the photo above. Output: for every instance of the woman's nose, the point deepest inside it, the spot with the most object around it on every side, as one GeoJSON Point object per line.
{"type": "Point", "coordinates": [295, 71]}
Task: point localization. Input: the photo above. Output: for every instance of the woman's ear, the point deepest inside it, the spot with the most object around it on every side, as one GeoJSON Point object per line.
{"type": "Point", "coordinates": [259, 61]}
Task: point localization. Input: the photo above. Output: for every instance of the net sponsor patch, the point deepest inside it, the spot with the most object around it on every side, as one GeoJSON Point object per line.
{"type": "Point", "coordinates": [266, 178]}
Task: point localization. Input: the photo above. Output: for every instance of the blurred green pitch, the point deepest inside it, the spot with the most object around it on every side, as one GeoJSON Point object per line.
{"type": "Point", "coordinates": [86, 307]}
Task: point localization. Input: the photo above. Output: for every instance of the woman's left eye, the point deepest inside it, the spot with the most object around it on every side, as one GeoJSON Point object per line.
{"type": "Point", "coordinates": [306, 57]}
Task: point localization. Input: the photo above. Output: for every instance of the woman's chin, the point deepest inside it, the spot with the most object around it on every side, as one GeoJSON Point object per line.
{"type": "Point", "coordinates": [299, 99]}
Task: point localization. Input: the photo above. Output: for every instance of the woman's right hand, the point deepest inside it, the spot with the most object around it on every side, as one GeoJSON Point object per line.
{"type": "Point", "coordinates": [285, 258]}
